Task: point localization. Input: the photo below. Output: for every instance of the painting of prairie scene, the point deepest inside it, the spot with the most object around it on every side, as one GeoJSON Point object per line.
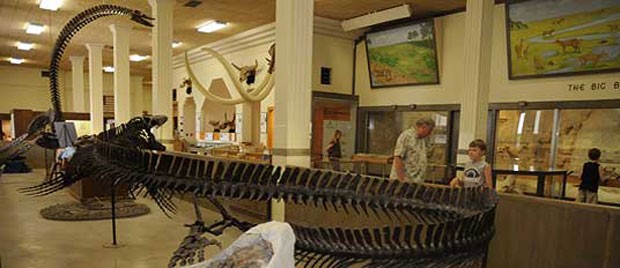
{"type": "Point", "coordinates": [402, 56]}
{"type": "Point", "coordinates": [563, 37]}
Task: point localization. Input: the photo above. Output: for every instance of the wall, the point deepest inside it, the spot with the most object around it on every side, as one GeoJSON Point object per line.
{"type": "Point", "coordinates": [536, 232]}
{"type": "Point", "coordinates": [335, 53]}
{"type": "Point", "coordinates": [451, 31]}
{"type": "Point", "coordinates": [331, 49]}
{"type": "Point", "coordinates": [540, 89]}
{"type": "Point", "coordinates": [449, 34]}
{"type": "Point", "coordinates": [24, 88]}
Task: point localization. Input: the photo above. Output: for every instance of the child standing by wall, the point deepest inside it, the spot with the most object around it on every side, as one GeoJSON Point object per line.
{"type": "Point", "coordinates": [591, 177]}
{"type": "Point", "coordinates": [477, 171]}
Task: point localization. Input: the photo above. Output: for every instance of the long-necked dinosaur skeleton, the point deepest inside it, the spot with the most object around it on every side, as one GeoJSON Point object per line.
{"type": "Point", "coordinates": [432, 226]}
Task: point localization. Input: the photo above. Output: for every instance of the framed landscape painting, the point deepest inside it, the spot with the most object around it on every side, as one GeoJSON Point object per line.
{"type": "Point", "coordinates": [562, 37]}
{"type": "Point", "coordinates": [405, 55]}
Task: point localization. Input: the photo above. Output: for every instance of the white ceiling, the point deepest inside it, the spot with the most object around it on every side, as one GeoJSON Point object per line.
{"type": "Point", "coordinates": [242, 15]}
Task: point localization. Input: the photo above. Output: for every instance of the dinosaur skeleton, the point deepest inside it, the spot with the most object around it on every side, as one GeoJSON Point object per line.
{"type": "Point", "coordinates": [433, 226]}
{"type": "Point", "coordinates": [71, 28]}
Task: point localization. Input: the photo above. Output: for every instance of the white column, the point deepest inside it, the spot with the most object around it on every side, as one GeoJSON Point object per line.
{"type": "Point", "coordinates": [189, 120]}
{"type": "Point", "coordinates": [250, 131]}
{"type": "Point", "coordinates": [122, 92]}
{"type": "Point", "coordinates": [477, 46]}
{"type": "Point", "coordinates": [293, 86]}
{"type": "Point", "coordinates": [95, 75]}
{"type": "Point", "coordinates": [137, 96]}
{"type": "Point", "coordinates": [77, 73]}
{"type": "Point", "coordinates": [162, 64]}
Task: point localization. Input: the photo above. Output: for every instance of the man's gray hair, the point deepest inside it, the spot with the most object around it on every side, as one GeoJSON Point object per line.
{"type": "Point", "coordinates": [425, 121]}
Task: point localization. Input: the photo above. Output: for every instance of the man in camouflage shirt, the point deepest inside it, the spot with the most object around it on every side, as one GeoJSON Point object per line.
{"type": "Point", "coordinates": [411, 152]}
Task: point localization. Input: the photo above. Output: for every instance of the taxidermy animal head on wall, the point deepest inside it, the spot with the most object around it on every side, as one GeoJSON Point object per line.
{"type": "Point", "coordinates": [187, 83]}
{"type": "Point", "coordinates": [247, 73]}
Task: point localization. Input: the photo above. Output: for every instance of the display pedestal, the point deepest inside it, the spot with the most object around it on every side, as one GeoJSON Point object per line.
{"type": "Point", "coordinates": [88, 189]}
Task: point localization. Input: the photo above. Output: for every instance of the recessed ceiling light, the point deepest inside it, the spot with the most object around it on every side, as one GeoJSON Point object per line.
{"type": "Point", "coordinates": [52, 5]}
{"type": "Point", "coordinates": [108, 69]}
{"type": "Point", "coordinates": [16, 61]}
{"type": "Point", "coordinates": [34, 28]}
{"type": "Point", "coordinates": [176, 44]}
{"type": "Point", "coordinates": [24, 46]}
{"type": "Point", "coordinates": [211, 26]}
{"type": "Point", "coordinates": [136, 57]}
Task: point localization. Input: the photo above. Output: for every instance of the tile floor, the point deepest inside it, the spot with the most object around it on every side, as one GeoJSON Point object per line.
{"type": "Point", "coordinates": [29, 241]}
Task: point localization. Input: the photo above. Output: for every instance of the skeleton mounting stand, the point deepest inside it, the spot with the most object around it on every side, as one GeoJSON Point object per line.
{"type": "Point", "coordinates": [113, 208]}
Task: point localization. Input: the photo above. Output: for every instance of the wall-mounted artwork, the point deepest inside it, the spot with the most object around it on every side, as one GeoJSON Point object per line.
{"type": "Point", "coordinates": [401, 56]}
{"type": "Point", "coordinates": [562, 37]}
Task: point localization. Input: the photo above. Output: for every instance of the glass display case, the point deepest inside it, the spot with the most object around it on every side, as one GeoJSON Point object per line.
{"type": "Point", "coordinates": [557, 139]}
{"type": "Point", "coordinates": [384, 127]}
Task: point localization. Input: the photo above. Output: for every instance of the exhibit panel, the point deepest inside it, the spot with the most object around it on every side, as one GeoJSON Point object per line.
{"type": "Point", "coordinates": [554, 139]}
{"type": "Point", "coordinates": [333, 113]}
{"type": "Point", "coordinates": [583, 129]}
{"type": "Point", "coordinates": [382, 127]}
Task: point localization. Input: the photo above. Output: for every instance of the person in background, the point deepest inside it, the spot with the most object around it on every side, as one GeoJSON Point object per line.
{"type": "Point", "coordinates": [591, 178]}
{"type": "Point", "coordinates": [477, 171]}
{"type": "Point", "coordinates": [334, 150]}
{"type": "Point", "coordinates": [411, 152]}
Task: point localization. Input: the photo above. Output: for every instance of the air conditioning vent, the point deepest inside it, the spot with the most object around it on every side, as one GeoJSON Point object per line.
{"type": "Point", "coordinates": [193, 3]}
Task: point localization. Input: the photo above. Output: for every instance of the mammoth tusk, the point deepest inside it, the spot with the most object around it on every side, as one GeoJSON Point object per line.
{"type": "Point", "coordinates": [208, 95]}
{"type": "Point", "coordinates": [244, 94]}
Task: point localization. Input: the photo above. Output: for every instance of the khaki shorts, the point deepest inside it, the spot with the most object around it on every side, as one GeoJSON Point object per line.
{"type": "Point", "coordinates": [586, 196]}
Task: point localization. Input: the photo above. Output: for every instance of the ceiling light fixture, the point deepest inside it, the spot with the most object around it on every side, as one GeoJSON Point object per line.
{"type": "Point", "coordinates": [16, 61]}
{"type": "Point", "coordinates": [373, 18]}
{"type": "Point", "coordinates": [137, 57]}
{"type": "Point", "coordinates": [34, 28]}
{"type": "Point", "coordinates": [52, 5]}
{"type": "Point", "coordinates": [24, 46]}
{"type": "Point", "coordinates": [108, 69]}
{"type": "Point", "coordinates": [212, 26]}
{"type": "Point", "coordinates": [176, 44]}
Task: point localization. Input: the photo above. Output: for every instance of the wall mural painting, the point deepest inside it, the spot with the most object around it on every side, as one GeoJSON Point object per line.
{"type": "Point", "coordinates": [405, 55]}
{"type": "Point", "coordinates": [562, 37]}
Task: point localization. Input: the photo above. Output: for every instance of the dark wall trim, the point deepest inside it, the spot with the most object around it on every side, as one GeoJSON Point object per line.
{"type": "Point", "coordinates": [589, 104]}
{"type": "Point", "coordinates": [337, 96]}
{"type": "Point", "coordinates": [5, 116]}
{"type": "Point", "coordinates": [412, 107]}
{"type": "Point", "coordinates": [290, 152]}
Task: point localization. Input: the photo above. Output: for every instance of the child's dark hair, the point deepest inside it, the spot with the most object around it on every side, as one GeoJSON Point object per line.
{"type": "Point", "coordinates": [594, 154]}
{"type": "Point", "coordinates": [478, 143]}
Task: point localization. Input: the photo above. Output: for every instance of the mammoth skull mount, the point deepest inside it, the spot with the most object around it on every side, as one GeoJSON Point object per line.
{"type": "Point", "coordinates": [247, 73]}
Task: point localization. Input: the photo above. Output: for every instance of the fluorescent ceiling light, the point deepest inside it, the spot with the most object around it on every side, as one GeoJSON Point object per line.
{"type": "Point", "coordinates": [176, 44]}
{"type": "Point", "coordinates": [16, 61]}
{"type": "Point", "coordinates": [24, 46]}
{"type": "Point", "coordinates": [136, 57]}
{"type": "Point", "coordinates": [373, 18]}
{"type": "Point", "coordinates": [52, 5]}
{"type": "Point", "coordinates": [212, 26]}
{"type": "Point", "coordinates": [34, 28]}
{"type": "Point", "coordinates": [108, 69]}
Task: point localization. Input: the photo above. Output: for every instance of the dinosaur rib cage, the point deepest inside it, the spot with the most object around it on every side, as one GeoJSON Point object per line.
{"type": "Point", "coordinates": [433, 226]}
